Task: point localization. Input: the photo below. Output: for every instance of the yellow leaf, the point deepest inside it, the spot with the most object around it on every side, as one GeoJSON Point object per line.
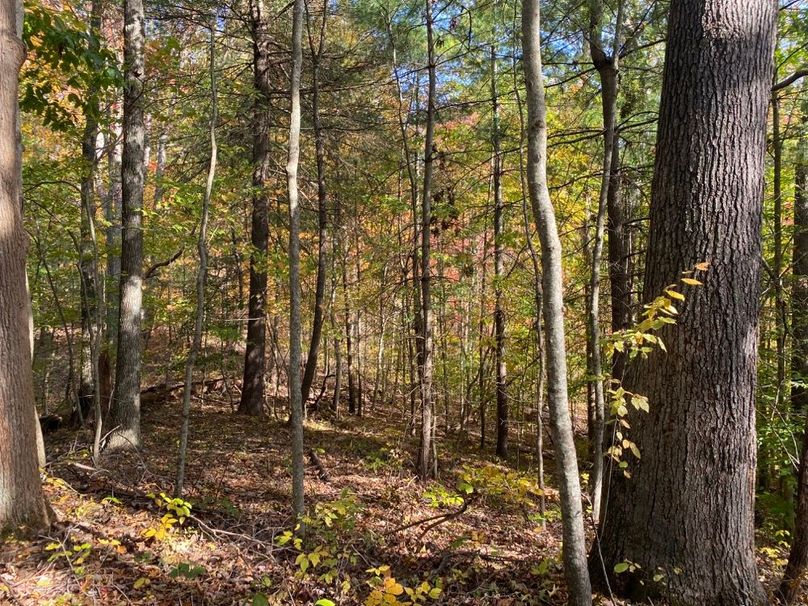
{"type": "Point", "coordinates": [692, 282]}
{"type": "Point", "coordinates": [140, 583]}
{"type": "Point", "coordinates": [675, 295]}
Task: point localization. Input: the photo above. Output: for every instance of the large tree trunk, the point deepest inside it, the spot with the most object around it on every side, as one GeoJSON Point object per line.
{"type": "Point", "coordinates": [499, 272]}
{"type": "Point", "coordinates": [427, 459]}
{"type": "Point", "coordinates": [22, 505]}
{"type": "Point", "coordinates": [252, 394]}
{"type": "Point", "coordinates": [574, 549]}
{"type": "Point", "coordinates": [798, 558]}
{"type": "Point", "coordinates": [686, 513]}
{"type": "Point", "coordinates": [124, 421]}
{"type": "Point", "coordinates": [295, 399]}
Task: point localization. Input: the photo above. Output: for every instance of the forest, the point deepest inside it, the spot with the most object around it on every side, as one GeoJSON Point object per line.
{"type": "Point", "coordinates": [404, 302]}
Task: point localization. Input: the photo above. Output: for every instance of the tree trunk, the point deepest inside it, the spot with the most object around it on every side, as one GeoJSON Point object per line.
{"type": "Point", "coordinates": [88, 252]}
{"type": "Point", "coordinates": [696, 528]}
{"type": "Point", "coordinates": [798, 558]}
{"type": "Point", "coordinates": [295, 399]}
{"type": "Point", "coordinates": [252, 391]}
{"type": "Point", "coordinates": [499, 271]}
{"type": "Point", "coordinates": [574, 546]}
{"type": "Point", "coordinates": [202, 270]}
{"type": "Point", "coordinates": [22, 504]}
{"type": "Point", "coordinates": [322, 214]}
{"type": "Point", "coordinates": [124, 421]}
{"type": "Point", "coordinates": [427, 459]}
{"type": "Point", "coordinates": [607, 66]}
{"type": "Point", "coordinates": [112, 214]}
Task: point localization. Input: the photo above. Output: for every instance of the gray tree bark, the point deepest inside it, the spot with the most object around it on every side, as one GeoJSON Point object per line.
{"type": "Point", "coordinates": [22, 505]}
{"type": "Point", "coordinates": [322, 213]}
{"type": "Point", "coordinates": [686, 513]}
{"type": "Point", "coordinates": [607, 67]}
{"type": "Point", "coordinates": [252, 394]}
{"type": "Point", "coordinates": [427, 456]}
{"type": "Point", "coordinates": [295, 399]}
{"type": "Point", "coordinates": [499, 271]}
{"type": "Point", "coordinates": [574, 549]}
{"type": "Point", "coordinates": [124, 418]}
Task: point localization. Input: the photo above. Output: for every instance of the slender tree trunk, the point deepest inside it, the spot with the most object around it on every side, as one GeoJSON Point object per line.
{"type": "Point", "coordinates": [202, 270]}
{"type": "Point", "coordinates": [607, 66]}
{"type": "Point", "coordinates": [295, 399]}
{"type": "Point", "coordinates": [696, 529]}
{"type": "Point", "coordinates": [124, 421]}
{"type": "Point", "coordinates": [112, 214]}
{"type": "Point", "coordinates": [22, 505]}
{"type": "Point", "coordinates": [252, 393]}
{"type": "Point", "coordinates": [427, 459]}
{"type": "Point", "coordinates": [777, 266]}
{"type": "Point", "coordinates": [798, 558]}
{"type": "Point", "coordinates": [322, 213]}
{"type": "Point", "coordinates": [499, 271]}
{"type": "Point", "coordinates": [88, 251]}
{"type": "Point", "coordinates": [574, 546]}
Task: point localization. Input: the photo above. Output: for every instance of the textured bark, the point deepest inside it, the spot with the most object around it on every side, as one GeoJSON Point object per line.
{"type": "Point", "coordinates": [797, 566]}
{"type": "Point", "coordinates": [687, 510]}
{"type": "Point", "coordinates": [499, 272]}
{"type": "Point", "coordinates": [22, 505]}
{"type": "Point", "coordinates": [322, 215]}
{"type": "Point", "coordinates": [427, 459]}
{"type": "Point", "coordinates": [295, 399]}
{"type": "Point", "coordinates": [112, 214]}
{"type": "Point", "coordinates": [124, 421]}
{"type": "Point", "coordinates": [252, 394]}
{"type": "Point", "coordinates": [574, 546]}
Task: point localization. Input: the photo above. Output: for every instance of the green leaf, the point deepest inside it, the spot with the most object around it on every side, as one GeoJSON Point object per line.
{"type": "Point", "coordinates": [324, 602]}
{"type": "Point", "coordinates": [621, 567]}
{"type": "Point", "coordinates": [259, 599]}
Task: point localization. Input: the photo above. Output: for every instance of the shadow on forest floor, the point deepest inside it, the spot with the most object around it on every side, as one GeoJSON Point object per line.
{"type": "Point", "coordinates": [119, 542]}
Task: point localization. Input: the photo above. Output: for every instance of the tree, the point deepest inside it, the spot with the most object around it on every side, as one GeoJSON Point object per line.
{"type": "Point", "coordinates": [322, 209]}
{"type": "Point", "coordinates": [499, 270]}
{"type": "Point", "coordinates": [607, 67]}
{"type": "Point", "coordinates": [22, 504]}
{"type": "Point", "coordinates": [685, 515]}
{"type": "Point", "coordinates": [124, 421]}
{"type": "Point", "coordinates": [574, 550]}
{"type": "Point", "coordinates": [295, 394]}
{"type": "Point", "coordinates": [427, 457]}
{"type": "Point", "coordinates": [798, 557]}
{"type": "Point", "coordinates": [252, 391]}
{"type": "Point", "coordinates": [202, 270]}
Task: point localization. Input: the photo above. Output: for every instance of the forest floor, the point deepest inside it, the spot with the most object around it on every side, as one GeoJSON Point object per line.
{"type": "Point", "coordinates": [374, 535]}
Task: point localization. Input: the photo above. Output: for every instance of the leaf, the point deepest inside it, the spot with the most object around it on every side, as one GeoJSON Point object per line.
{"type": "Point", "coordinates": [703, 266]}
{"type": "Point", "coordinates": [140, 583]}
{"type": "Point", "coordinates": [259, 599]}
{"type": "Point", "coordinates": [434, 593]}
{"type": "Point", "coordinates": [621, 567]}
{"type": "Point", "coordinates": [324, 602]}
{"type": "Point", "coordinates": [692, 282]}
{"type": "Point", "coordinates": [675, 295]}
